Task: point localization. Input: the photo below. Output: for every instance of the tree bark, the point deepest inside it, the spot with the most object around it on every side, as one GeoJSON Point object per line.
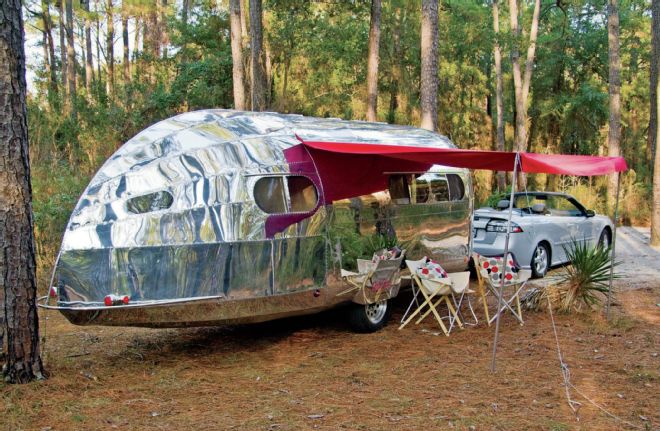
{"type": "Point", "coordinates": [60, 6]}
{"type": "Point", "coordinates": [50, 46]}
{"type": "Point", "coordinates": [185, 9]}
{"type": "Point", "coordinates": [162, 32]}
{"type": "Point", "coordinates": [372, 67]}
{"type": "Point", "coordinates": [499, 93]}
{"type": "Point", "coordinates": [614, 132]}
{"type": "Point", "coordinates": [17, 252]}
{"type": "Point", "coordinates": [529, 63]}
{"type": "Point", "coordinates": [396, 69]}
{"type": "Point", "coordinates": [97, 9]}
{"type": "Point", "coordinates": [238, 72]}
{"type": "Point", "coordinates": [654, 129]}
{"type": "Point", "coordinates": [110, 49]}
{"type": "Point", "coordinates": [89, 58]}
{"type": "Point", "coordinates": [259, 85]}
{"type": "Point", "coordinates": [521, 130]}
{"type": "Point", "coordinates": [126, 66]}
{"type": "Point", "coordinates": [429, 78]}
{"type": "Point", "coordinates": [71, 59]}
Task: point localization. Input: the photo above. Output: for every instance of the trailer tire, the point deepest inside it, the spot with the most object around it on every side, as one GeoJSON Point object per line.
{"type": "Point", "coordinates": [370, 317]}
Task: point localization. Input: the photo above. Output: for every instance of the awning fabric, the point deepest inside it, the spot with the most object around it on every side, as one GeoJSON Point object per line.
{"type": "Point", "coordinates": [344, 170]}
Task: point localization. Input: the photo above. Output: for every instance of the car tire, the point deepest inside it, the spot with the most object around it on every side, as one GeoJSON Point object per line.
{"type": "Point", "coordinates": [540, 260]}
{"type": "Point", "coordinates": [370, 317]}
{"type": "Point", "coordinates": [605, 239]}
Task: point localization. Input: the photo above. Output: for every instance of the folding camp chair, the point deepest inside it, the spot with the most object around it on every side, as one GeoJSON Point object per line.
{"type": "Point", "coordinates": [374, 281]}
{"type": "Point", "coordinates": [490, 271]}
{"type": "Point", "coordinates": [434, 292]}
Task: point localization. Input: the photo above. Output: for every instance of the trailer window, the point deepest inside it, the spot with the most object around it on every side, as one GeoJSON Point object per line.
{"type": "Point", "coordinates": [148, 203]}
{"type": "Point", "coordinates": [456, 187]}
{"type": "Point", "coordinates": [421, 189]}
{"type": "Point", "coordinates": [440, 189]}
{"type": "Point", "coordinates": [303, 194]}
{"type": "Point", "coordinates": [399, 191]}
{"type": "Point", "coordinates": [269, 195]}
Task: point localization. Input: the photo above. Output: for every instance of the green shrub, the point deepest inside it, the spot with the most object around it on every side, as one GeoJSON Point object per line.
{"type": "Point", "coordinates": [586, 279]}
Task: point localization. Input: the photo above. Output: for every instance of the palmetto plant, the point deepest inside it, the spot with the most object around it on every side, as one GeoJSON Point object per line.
{"type": "Point", "coordinates": [586, 279]}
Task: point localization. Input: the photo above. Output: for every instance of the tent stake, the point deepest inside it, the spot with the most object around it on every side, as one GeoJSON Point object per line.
{"type": "Point", "coordinates": [493, 365]}
{"type": "Point", "coordinates": [616, 222]}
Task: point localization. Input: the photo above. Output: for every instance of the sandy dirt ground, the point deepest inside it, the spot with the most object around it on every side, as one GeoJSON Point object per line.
{"type": "Point", "coordinates": [314, 373]}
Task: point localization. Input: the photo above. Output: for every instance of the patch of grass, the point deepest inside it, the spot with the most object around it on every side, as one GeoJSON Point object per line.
{"type": "Point", "coordinates": [644, 376]}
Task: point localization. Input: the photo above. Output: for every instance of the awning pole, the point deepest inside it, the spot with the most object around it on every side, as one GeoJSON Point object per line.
{"type": "Point", "coordinates": [493, 366]}
{"type": "Point", "coordinates": [616, 222]}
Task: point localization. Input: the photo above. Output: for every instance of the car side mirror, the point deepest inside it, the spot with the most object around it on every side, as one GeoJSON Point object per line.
{"type": "Point", "coordinates": [590, 213]}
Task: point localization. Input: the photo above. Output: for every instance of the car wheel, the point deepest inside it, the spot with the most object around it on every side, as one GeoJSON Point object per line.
{"type": "Point", "coordinates": [540, 261]}
{"type": "Point", "coordinates": [605, 240]}
{"type": "Point", "coordinates": [368, 317]}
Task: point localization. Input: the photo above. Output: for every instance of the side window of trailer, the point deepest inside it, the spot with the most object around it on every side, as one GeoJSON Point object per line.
{"type": "Point", "coordinates": [150, 202]}
{"type": "Point", "coordinates": [285, 194]}
{"type": "Point", "coordinates": [456, 187]}
{"type": "Point", "coordinates": [426, 188]}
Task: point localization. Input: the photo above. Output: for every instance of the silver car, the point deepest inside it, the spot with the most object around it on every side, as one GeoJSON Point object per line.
{"type": "Point", "coordinates": [542, 225]}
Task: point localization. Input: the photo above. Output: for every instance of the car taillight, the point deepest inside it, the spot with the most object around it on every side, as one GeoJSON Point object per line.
{"type": "Point", "coordinates": [111, 300]}
{"type": "Point", "coordinates": [500, 226]}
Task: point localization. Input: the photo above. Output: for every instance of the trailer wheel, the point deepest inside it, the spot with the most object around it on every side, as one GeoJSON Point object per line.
{"type": "Point", "coordinates": [369, 317]}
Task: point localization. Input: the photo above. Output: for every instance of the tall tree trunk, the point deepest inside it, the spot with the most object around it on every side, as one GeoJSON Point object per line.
{"type": "Point", "coordinates": [185, 9]}
{"type": "Point", "coordinates": [531, 50]}
{"type": "Point", "coordinates": [89, 58]}
{"type": "Point", "coordinates": [97, 9]}
{"type": "Point", "coordinates": [259, 85]}
{"type": "Point", "coordinates": [238, 73]}
{"type": "Point", "coordinates": [372, 67]}
{"type": "Point", "coordinates": [614, 132]}
{"type": "Point", "coordinates": [396, 68]}
{"type": "Point", "coordinates": [164, 35]}
{"type": "Point", "coordinates": [110, 49]}
{"type": "Point", "coordinates": [654, 129]}
{"type": "Point", "coordinates": [17, 258]}
{"type": "Point", "coordinates": [126, 66]}
{"type": "Point", "coordinates": [652, 142]}
{"type": "Point", "coordinates": [499, 93]}
{"type": "Point", "coordinates": [50, 46]}
{"type": "Point", "coordinates": [64, 70]}
{"type": "Point", "coordinates": [521, 131]}
{"type": "Point", "coordinates": [71, 58]}
{"type": "Point", "coordinates": [429, 78]}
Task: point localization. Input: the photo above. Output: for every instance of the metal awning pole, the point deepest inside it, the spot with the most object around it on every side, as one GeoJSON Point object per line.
{"type": "Point", "coordinates": [616, 222]}
{"type": "Point", "coordinates": [493, 366]}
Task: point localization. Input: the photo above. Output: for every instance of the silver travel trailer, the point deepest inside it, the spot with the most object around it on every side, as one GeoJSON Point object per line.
{"type": "Point", "coordinates": [176, 228]}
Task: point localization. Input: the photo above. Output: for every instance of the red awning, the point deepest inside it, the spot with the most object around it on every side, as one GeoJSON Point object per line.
{"type": "Point", "coordinates": [344, 170]}
{"type": "Point", "coordinates": [347, 169]}
{"type": "Point", "coordinates": [477, 159]}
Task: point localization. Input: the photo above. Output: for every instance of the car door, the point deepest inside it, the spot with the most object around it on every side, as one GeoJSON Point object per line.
{"type": "Point", "coordinates": [568, 224]}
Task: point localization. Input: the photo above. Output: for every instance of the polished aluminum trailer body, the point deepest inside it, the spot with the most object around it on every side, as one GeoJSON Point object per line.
{"type": "Point", "coordinates": [170, 221]}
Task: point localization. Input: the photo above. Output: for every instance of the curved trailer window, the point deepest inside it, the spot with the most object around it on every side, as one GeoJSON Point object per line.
{"type": "Point", "coordinates": [274, 195]}
{"type": "Point", "coordinates": [150, 202]}
{"type": "Point", "coordinates": [427, 188]}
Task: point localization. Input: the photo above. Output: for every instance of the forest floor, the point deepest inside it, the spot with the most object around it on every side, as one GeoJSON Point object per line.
{"type": "Point", "coordinates": [314, 373]}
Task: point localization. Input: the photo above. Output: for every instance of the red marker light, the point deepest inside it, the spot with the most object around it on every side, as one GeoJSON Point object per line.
{"type": "Point", "coordinates": [111, 300]}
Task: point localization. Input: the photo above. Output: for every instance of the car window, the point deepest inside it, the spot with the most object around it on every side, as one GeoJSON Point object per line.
{"type": "Point", "coordinates": [560, 206]}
